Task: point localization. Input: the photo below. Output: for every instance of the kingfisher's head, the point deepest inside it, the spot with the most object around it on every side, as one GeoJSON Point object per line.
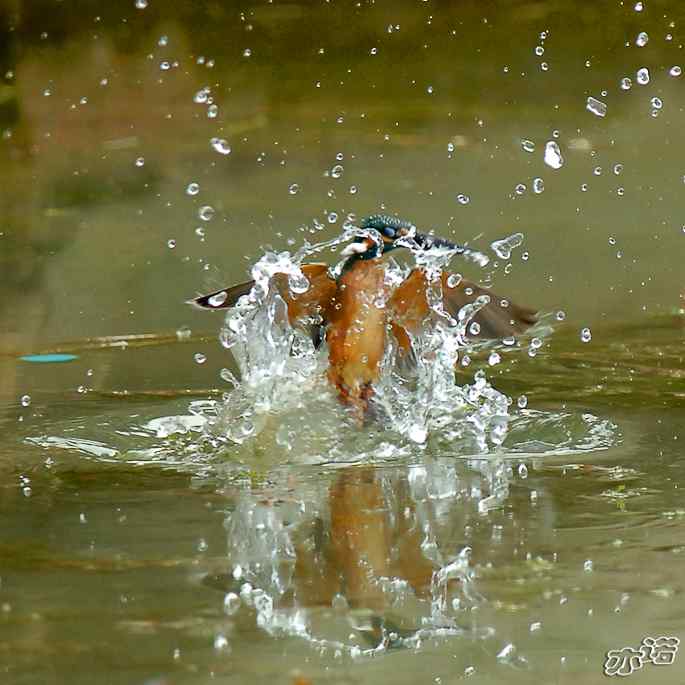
{"type": "Point", "coordinates": [378, 234]}
{"type": "Point", "coordinates": [382, 233]}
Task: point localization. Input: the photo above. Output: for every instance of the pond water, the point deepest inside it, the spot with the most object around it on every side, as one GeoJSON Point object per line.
{"type": "Point", "coordinates": [151, 152]}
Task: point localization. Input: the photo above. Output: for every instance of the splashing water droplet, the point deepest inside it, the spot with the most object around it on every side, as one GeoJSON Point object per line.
{"type": "Point", "coordinates": [657, 103]}
{"type": "Point", "coordinates": [520, 188]}
{"type": "Point", "coordinates": [586, 335]}
{"type": "Point", "coordinates": [140, 161]}
{"type": "Point", "coordinates": [503, 248]}
{"type": "Point", "coordinates": [597, 107]}
{"type": "Point", "coordinates": [218, 299]}
{"type": "Point", "coordinates": [165, 65]}
{"type": "Point", "coordinates": [675, 71]}
{"type": "Point", "coordinates": [642, 39]}
{"type": "Point", "coordinates": [206, 212]}
{"type": "Point", "coordinates": [639, 6]}
{"type": "Point", "coordinates": [453, 280]}
{"type": "Point", "coordinates": [337, 171]}
{"type": "Point", "coordinates": [626, 83]}
{"type": "Point", "coordinates": [25, 400]}
{"type": "Point", "coordinates": [171, 244]}
{"type": "Point", "coordinates": [183, 333]}
{"type": "Point", "coordinates": [141, 4]}
{"type": "Point", "coordinates": [220, 643]}
{"type": "Point", "coordinates": [494, 359]}
{"type": "Point", "coordinates": [561, 315]}
{"type": "Point", "coordinates": [199, 358]}
{"type": "Point", "coordinates": [353, 190]}
{"type": "Point", "coordinates": [463, 199]}
{"type": "Point", "coordinates": [539, 51]}
{"type": "Point", "coordinates": [642, 76]}
{"type": "Point", "coordinates": [522, 402]}
{"type": "Point", "coordinates": [202, 95]}
{"type": "Point", "coordinates": [193, 188]}
{"type": "Point", "coordinates": [587, 566]}
{"type": "Point", "coordinates": [220, 145]}
{"type": "Point", "coordinates": [528, 145]}
{"type": "Point", "coordinates": [212, 111]}
{"type": "Point", "coordinates": [332, 217]}
{"type": "Point", "coordinates": [553, 157]}
{"type": "Point", "coordinates": [247, 52]}
{"type": "Point", "coordinates": [618, 168]}
{"type": "Point", "coordinates": [538, 185]}
{"type": "Point", "coordinates": [294, 188]}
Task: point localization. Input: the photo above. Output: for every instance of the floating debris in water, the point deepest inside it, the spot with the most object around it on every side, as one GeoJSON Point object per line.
{"type": "Point", "coordinates": [49, 358]}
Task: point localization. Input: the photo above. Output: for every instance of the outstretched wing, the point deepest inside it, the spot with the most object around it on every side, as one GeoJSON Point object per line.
{"type": "Point", "coordinates": [315, 301]}
{"type": "Point", "coordinates": [500, 318]}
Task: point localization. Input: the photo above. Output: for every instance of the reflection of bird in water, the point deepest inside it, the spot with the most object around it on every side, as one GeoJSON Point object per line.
{"type": "Point", "coordinates": [357, 309]}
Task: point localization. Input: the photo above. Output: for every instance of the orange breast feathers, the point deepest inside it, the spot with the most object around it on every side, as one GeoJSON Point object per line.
{"type": "Point", "coordinates": [357, 331]}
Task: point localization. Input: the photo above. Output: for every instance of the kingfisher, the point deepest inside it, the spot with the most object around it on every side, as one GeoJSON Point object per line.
{"type": "Point", "coordinates": [355, 309]}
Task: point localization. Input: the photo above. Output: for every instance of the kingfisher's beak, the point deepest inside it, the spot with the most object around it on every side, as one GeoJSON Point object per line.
{"type": "Point", "coordinates": [426, 242]}
{"type": "Point", "coordinates": [355, 248]}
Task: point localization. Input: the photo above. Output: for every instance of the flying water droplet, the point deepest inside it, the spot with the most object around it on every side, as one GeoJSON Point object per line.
{"type": "Point", "coordinates": [199, 358]}
{"type": "Point", "coordinates": [220, 145]}
{"type": "Point", "coordinates": [642, 39]}
{"type": "Point", "coordinates": [165, 65]}
{"type": "Point", "coordinates": [639, 6]}
{"type": "Point", "coordinates": [597, 107]}
{"type": "Point", "coordinates": [140, 161]}
{"type": "Point", "coordinates": [626, 83]}
{"type": "Point", "coordinates": [657, 103]}
{"type": "Point", "coordinates": [294, 188]}
{"type": "Point", "coordinates": [538, 185]}
{"type": "Point", "coordinates": [337, 171]}
{"type": "Point", "coordinates": [522, 402]}
{"type": "Point", "coordinates": [528, 145]}
{"type": "Point", "coordinates": [503, 248]}
{"type": "Point", "coordinates": [212, 111]}
{"type": "Point", "coordinates": [463, 199]}
{"type": "Point", "coordinates": [494, 359]}
{"type": "Point", "coordinates": [193, 188]}
{"type": "Point", "coordinates": [206, 212]}
{"type": "Point", "coordinates": [675, 71]}
{"type": "Point", "coordinates": [520, 188]}
{"type": "Point", "coordinates": [171, 244]}
{"type": "Point", "coordinates": [141, 4]}
{"type": "Point", "coordinates": [183, 333]}
{"type": "Point", "coordinates": [553, 157]}
{"type": "Point", "coordinates": [618, 168]}
{"type": "Point", "coordinates": [202, 95]}
{"type": "Point", "coordinates": [25, 400]}
{"type": "Point", "coordinates": [586, 335]}
{"type": "Point", "coordinates": [218, 299]}
{"type": "Point", "coordinates": [453, 280]}
{"type": "Point", "coordinates": [642, 76]}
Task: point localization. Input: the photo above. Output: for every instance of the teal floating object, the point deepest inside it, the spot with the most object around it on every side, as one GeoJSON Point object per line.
{"type": "Point", "coordinates": [49, 358]}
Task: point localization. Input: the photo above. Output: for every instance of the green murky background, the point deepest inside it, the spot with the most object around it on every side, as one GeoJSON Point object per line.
{"type": "Point", "coordinates": [114, 567]}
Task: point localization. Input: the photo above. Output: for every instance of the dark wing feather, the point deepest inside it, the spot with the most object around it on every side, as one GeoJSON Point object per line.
{"type": "Point", "coordinates": [500, 318]}
{"type": "Point", "coordinates": [309, 310]}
